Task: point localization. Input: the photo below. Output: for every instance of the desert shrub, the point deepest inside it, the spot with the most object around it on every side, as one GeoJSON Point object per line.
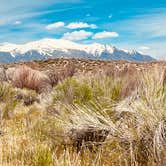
{"type": "Point", "coordinates": [25, 77]}
{"type": "Point", "coordinates": [148, 110]}
{"type": "Point", "coordinates": [7, 110]}
{"type": "Point", "coordinates": [164, 77]}
{"type": "Point", "coordinates": [136, 130]}
{"type": "Point", "coordinates": [72, 90]}
{"type": "Point", "coordinates": [9, 73]}
{"type": "Point", "coordinates": [28, 97]}
{"type": "Point", "coordinates": [116, 91]}
{"type": "Point", "coordinates": [56, 75]}
{"type": "Point", "coordinates": [85, 89]}
{"type": "Point", "coordinates": [69, 70]}
{"type": "Point", "coordinates": [7, 102]}
{"type": "Point", "coordinates": [129, 76]}
{"type": "Point", "coordinates": [53, 76]}
{"type": "Point", "coordinates": [105, 87]}
{"type": "Point", "coordinates": [3, 74]}
{"type": "Point", "coordinates": [7, 92]}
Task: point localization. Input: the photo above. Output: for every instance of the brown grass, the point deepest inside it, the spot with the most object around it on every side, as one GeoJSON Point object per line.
{"type": "Point", "coordinates": [56, 75]}
{"type": "Point", "coordinates": [100, 130]}
{"type": "Point", "coordinates": [164, 80]}
{"type": "Point", "coordinates": [2, 75]}
{"type": "Point", "coordinates": [129, 75]}
{"type": "Point", "coordinates": [25, 77]}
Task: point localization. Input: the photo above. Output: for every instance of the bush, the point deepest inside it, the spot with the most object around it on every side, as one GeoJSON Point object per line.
{"type": "Point", "coordinates": [56, 75]}
{"type": "Point", "coordinates": [71, 90]}
{"type": "Point", "coordinates": [86, 89]}
{"type": "Point", "coordinates": [7, 92]}
{"type": "Point", "coordinates": [129, 76]}
{"type": "Point", "coordinates": [25, 77]}
{"type": "Point", "coordinates": [3, 74]}
{"type": "Point", "coordinates": [28, 97]}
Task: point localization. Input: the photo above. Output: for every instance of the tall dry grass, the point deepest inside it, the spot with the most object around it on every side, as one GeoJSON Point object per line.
{"type": "Point", "coordinates": [105, 128]}
{"type": "Point", "coordinates": [25, 77]}
{"type": "Point", "coordinates": [56, 76]}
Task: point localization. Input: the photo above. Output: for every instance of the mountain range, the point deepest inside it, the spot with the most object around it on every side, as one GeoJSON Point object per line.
{"type": "Point", "coordinates": [57, 48]}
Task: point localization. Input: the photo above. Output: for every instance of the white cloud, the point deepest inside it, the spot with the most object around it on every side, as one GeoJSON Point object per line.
{"type": "Point", "coordinates": [105, 34]}
{"type": "Point", "coordinates": [110, 16]}
{"type": "Point", "coordinates": [77, 35]}
{"type": "Point", "coordinates": [72, 25]}
{"type": "Point", "coordinates": [78, 25]}
{"type": "Point", "coordinates": [17, 22]}
{"type": "Point", "coordinates": [55, 25]}
{"type": "Point", "coordinates": [144, 48]}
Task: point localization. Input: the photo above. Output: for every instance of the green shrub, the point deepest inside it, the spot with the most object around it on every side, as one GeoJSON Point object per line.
{"type": "Point", "coordinates": [72, 91]}
{"type": "Point", "coordinates": [83, 90]}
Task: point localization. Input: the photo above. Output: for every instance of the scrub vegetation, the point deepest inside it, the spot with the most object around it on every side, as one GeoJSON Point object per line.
{"type": "Point", "coordinates": [84, 119]}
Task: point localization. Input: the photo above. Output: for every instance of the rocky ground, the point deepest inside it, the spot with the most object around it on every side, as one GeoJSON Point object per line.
{"type": "Point", "coordinates": [84, 66]}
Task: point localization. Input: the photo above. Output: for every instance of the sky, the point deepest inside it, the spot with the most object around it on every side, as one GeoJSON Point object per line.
{"type": "Point", "coordinates": [128, 24]}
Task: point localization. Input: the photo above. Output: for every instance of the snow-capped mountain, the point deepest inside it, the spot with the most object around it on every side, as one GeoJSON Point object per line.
{"type": "Point", "coordinates": [55, 48]}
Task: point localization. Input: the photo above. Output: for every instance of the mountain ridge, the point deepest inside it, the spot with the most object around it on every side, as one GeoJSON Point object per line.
{"type": "Point", "coordinates": [57, 48]}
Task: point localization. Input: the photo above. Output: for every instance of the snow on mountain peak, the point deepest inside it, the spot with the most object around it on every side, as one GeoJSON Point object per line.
{"type": "Point", "coordinates": [49, 45]}
{"type": "Point", "coordinates": [63, 48]}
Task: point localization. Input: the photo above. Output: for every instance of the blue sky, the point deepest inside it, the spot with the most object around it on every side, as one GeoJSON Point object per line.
{"type": "Point", "coordinates": [129, 24]}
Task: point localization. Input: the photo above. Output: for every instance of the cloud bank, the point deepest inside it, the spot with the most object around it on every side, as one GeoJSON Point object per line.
{"type": "Point", "coordinates": [78, 25]}
{"type": "Point", "coordinates": [105, 34]}
{"type": "Point", "coordinates": [77, 35]}
{"type": "Point", "coordinates": [55, 25]}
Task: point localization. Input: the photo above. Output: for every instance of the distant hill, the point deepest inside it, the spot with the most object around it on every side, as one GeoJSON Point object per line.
{"type": "Point", "coordinates": [58, 48]}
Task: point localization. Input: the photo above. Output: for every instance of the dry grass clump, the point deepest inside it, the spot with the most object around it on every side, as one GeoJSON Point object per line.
{"type": "Point", "coordinates": [86, 89]}
{"type": "Point", "coordinates": [148, 110]}
{"type": "Point", "coordinates": [87, 120]}
{"type": "Point", "coordinates": [164, 76]}
{"type": "Point", "coordinates": [129, 75]}
{"type": "Point", "coordinates": [28, 97]}
{"type": "Point", "coordinates": [72, 90]}
{"type": "Point", "coordinates": [56, 75]}
{"type": "Point", "coordinates": [6, 92]}
{"type": "Point", "coordinates": [25, 77]}
{"type": "Point", "coordinates": [3, 77]}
